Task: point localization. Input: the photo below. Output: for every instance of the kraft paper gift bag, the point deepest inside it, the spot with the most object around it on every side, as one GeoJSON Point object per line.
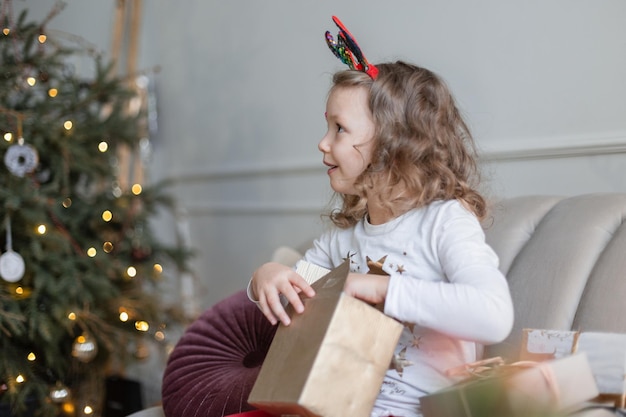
{"type": "Point", "coordinates": [331, 360]}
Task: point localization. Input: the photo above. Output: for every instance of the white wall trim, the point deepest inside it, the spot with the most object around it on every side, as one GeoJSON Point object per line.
{"type": "Point", "coordinates": [535, 149]}
{"type": "Point", "coordinates": [253, 208]}
{"type": "Point", "coordinates": [548, 148]}
{"type": "Point", "coordinates": [555, 147]}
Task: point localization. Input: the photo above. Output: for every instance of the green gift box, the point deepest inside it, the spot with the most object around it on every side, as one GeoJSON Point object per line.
{"type": "Point", "coordinates": [522, 389]}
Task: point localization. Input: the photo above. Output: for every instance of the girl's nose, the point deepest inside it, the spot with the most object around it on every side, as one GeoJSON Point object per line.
{"type": "Point", "coordinates": [323, 144]}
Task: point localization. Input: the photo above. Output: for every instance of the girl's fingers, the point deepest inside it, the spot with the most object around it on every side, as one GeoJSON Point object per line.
{"type": "Point", "coordinates": [275, 311]}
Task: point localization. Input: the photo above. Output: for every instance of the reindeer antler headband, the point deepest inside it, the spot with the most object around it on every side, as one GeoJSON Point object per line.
{"type": "Point", "coordinates": [347, 50]}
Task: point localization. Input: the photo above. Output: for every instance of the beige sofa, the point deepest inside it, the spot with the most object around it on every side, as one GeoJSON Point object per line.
{"type": "Point", "coordinates": [565, 260]}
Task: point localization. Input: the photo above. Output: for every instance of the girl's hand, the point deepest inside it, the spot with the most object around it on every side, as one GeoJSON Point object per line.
{"type": "Point", "coordinates": [273, 279]}
{"type": "Point", "coordinates": [369, 288]}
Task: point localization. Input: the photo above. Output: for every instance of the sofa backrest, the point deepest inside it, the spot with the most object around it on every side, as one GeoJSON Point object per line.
{"type": "Point", "coordinates": [565, 261]}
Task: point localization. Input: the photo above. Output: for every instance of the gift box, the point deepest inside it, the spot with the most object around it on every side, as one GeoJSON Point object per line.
{"type": "Point", "coordinates": [606, 353]}
{"type": "Point", "coordinates": [331, 360]}
{"type": "Point", "coordinates": [544, 344]}
{"type": "Point", "coordinates": [522, 389]}
{"type": "Point", "coordinates": [607, 356]}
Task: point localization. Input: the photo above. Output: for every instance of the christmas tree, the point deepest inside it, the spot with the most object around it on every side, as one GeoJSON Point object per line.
{"type": "Point", "coordinates": [80, 265]}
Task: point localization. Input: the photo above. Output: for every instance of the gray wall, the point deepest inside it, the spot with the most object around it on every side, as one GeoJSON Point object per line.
{"type": "Point", "coordinates": [242, 86]}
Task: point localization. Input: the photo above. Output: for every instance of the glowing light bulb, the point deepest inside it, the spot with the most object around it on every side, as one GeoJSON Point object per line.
{"type": "Point", "coordinates": [31, 357]}
{"type": "Point", "coordinates": [157, 268]}
{"type": "Point", "coordinates": [6, 31]}
{"type": "Point", "coordinates": [142, 326]}
{"type": "Point", "coordinates": [124, 316]}
{"type": "Point", "coordinates": [159, 335]}
{"type": "Point", "coordinates": [41, 229]}
{"type": "Point", "coordinates": [91, 252]}
{"type": "Point", "coordinates": [88, 409]}
{"type": "Point", "coordinates": [31, 81]}
{"type": "Point", "coordinates": [53, 92]}
{"type": "Point", "coordinates": [68, 125]}
{"type": "Point", "coordinates": [107, 247]}
{"type": "Point", "coordinates": [131, 271]}
{"type": "Point", "coordinates": [8, 136]}
{"type": "Point", "coordinates": [71, 316]}
{"type": "Point", "coordinates": [136, 189]}
{"type": "Point", "coordinates": [107, 216]}
{"type": "Point", "coordinates": [67, 202]}
{"type": "Point", "coordinates": [20, 378]}
{"type": "Point", "coordinates": [42, 38]}
{"type": "Point", "coordinates": [103, 146]}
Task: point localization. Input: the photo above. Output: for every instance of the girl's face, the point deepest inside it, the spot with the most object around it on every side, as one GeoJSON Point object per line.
{"type": "Point", "coordinates": [347, 145]}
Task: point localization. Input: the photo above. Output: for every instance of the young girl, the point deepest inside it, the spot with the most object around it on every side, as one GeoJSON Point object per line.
{"type": "Point", "coordinates": [402, 160]}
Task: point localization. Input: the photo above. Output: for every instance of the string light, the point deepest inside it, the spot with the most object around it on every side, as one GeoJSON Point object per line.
{"type": "Point", "coordinates": [53, 92]}
{"type": "Point", "coordinates": [142, 326]}
{"type": "Point", "coordinates": [124, 316]}
{"type": "Point", "coordinates": [8, 136]}
{"type": "Point", "coordinates": [67, 202]}
{"type": "Point", "coordinates": [107, 216]}
{"type": "Point", "coordinates": [68, 408]}
{"type": "Point", "coordinates": [20, 378]}
{"type": "Point", "coordinates": [88, 409]}
{"type": "Point", "coordinates": [6, 31]}
{"type": "Point", "coordinates": [131, 271]}
{"type": "Point", "coordinates": [136, 189]}
{"type": "Point", "coordinates": [71, 316]}
{"type": "Point", "coordinates": [157, 268]}
{"type": "Point", "coordinates": [22, 292]}
{"type": "Point", "coordinates": [41, 229]}
{"type": "Point", "coordinates": [103, 146]}
{"type": "Point", "coordinates": [91, 252]}
{"type": "Point", "coordinates": [159, 335]}
{"type": "Point", "coordinates": [42, 38]}
{"type": "Point", "coordinates": [31, 81]}
{"type": "Point", "coordinates": [31, 357]}
{"type": "Point", "coordinates": [68, 125]}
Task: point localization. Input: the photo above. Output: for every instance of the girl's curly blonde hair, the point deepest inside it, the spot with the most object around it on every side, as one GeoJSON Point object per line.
{"type": "Point", "coordinates": [422, 145]}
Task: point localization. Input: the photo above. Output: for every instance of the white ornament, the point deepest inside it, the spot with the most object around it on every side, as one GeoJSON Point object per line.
{"type": "Point", "coordinates": [60, 393]}
{"type": "Point", "coordinates": [11, 262]}
{"type": "Point", "coordinates": [11, 266]}
{"type": "Point", "coordinates": [84, 348]}
{"type": "Point", "coordinates": [21, 159]}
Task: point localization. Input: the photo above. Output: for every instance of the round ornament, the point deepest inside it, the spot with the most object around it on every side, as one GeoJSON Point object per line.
{"type": "Point", "coordinates": [84, 348]}
{"type": "Point", "coordinates": [11, 266]}
{"type": "Point", "coordinates": [21, 159]}
{"type": "Point", "coordinates": [59, 393]}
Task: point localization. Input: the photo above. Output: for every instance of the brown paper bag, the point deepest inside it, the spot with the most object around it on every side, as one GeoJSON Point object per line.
{"type": "Point", "coordinates": [331, 360]}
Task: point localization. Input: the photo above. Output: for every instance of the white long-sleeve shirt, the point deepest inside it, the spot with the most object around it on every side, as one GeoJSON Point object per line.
{"type": "Point", "coordinates": [444, 285]}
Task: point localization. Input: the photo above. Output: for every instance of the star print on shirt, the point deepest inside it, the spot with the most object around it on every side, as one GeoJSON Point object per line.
{"type": "Point", "coordinates": [400, 269]}
{"type": "Point", "coordinates": [349, 256]}
{"type": "Point", "coordinates": [399, 362]}
{"type": "Point", "coordinates": [376, 268]}
{"type": "Point", "coordinates": [416, 341]}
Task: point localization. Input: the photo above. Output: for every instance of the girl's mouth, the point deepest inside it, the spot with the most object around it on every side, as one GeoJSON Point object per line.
{"type": "Point", "coordinates": [331, 167]}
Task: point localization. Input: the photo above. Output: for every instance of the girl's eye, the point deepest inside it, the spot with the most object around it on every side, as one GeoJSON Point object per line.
{"type": "Point", "coordinates": [340, 128]}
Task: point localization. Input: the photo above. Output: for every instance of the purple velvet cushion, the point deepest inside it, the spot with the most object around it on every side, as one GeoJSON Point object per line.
{"type": "Point", "coordinates": [214, 365]}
